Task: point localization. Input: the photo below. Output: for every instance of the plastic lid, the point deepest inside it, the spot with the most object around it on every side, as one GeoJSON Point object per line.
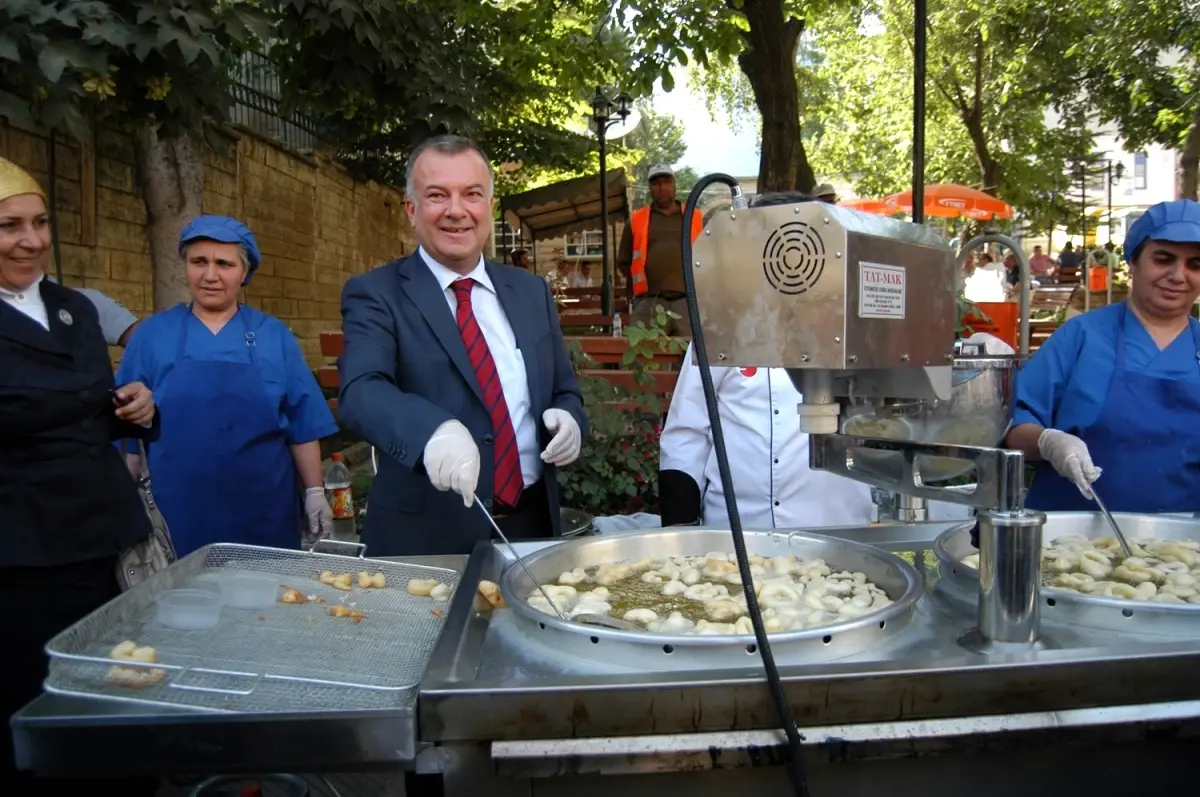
{"type": "Point", "coordinates": [336, 457]}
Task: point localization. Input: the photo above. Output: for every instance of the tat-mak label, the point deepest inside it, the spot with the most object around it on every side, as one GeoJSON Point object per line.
{"type": "Point", "coordinates": [880, 291]}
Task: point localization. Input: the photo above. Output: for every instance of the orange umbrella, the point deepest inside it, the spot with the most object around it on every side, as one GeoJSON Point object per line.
{"type": "Point", "coordinates": [864, 205]}
{"type": "Point", "coordinates": [951, 201]}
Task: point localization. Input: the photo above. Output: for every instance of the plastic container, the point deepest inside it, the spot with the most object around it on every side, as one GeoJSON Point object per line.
{"type": "Point", "coordinates": [1005, 320]}
{"type": "Point", "coordinates": [341, 499]}
{"type": "Point", "coordinates": [249, 590]}
{"type": "Point", "coordinates": [189, 609]}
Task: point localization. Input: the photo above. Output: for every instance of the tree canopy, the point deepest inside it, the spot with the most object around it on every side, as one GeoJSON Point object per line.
{"type": "Point", "coordinates": [381, 76]}
{"type": "Point", "coordinates": [164, 62]}
{"type": "Point", "coordinates": [762, 37]}
{"type": "Point", "coordinates": [991, 92]}
{"type": "Point", "coordinates": [1139, 64]}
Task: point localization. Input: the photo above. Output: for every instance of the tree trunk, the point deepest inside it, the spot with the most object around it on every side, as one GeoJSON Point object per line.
{"type": "Point", "coordinates": [989, 168]}
{"type": "Point", "coordinates": [171, 174]}
{"type": "Point", "coordinates": [1186, 175]}
{"type": "Point", "coordinates": [769, 64]}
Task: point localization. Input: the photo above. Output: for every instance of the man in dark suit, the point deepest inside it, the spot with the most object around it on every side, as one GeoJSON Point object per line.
{"type": "Point", "coordinates": [455, 369]}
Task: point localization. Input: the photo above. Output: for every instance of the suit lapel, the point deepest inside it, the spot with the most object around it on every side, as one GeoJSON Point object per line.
{"type": "Point", "coordinates": [519, 319]}
{"type": "Point", "coordinates": [18, 327]}
{"type": "Point", "coordinates": [421, 287]}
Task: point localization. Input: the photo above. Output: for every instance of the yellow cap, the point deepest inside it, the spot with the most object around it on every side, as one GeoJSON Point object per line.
{"type": "Point", "coordinates": [15, 181]}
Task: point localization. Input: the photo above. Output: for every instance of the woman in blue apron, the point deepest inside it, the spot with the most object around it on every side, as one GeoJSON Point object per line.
{"type": "Point", "coordinates": [1117, 390]}
{"type": "Point", "coordinates": [242, 415]}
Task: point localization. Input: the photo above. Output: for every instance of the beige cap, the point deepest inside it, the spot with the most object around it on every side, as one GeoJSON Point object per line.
{"type": "Point", "coordinates": [15, 181]}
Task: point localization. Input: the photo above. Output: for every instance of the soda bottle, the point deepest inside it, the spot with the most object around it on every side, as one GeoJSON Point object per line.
{"type": "Point", "coordinates": [617, 329]}
{"type": "Point", "coordinates": [341, 499]}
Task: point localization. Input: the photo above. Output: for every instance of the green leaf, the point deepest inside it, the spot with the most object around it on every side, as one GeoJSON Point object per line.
{"type": "Point", "coordinates": [9, 50]}
{"type": "Point", "coordinates": [15, 110]}
{"type": "Point", "coordinates": [53, 61]}
{"type": "Point", "coordinates": [107, 32]}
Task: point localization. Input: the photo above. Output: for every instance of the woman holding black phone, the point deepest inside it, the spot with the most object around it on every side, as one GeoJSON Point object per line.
{"type": "Point", "coordinates": [68, 506]}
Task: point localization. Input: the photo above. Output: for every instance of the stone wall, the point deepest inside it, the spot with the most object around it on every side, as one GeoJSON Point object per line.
{"type": "Point", "coordinates": [316, 226]}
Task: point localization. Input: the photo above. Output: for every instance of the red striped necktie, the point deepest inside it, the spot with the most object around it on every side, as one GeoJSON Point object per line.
{"type": "Point", "coordinates": [507, 482]}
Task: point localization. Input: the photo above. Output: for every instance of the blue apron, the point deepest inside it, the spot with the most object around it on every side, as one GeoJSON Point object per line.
{"type": "Point", "coordinates": [1146, 440]}
{"type": "Point", "coordinates": [222, 467]}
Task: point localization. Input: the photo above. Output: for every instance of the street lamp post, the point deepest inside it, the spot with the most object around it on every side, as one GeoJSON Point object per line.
{"type": "Point", "coordinates": [1115, 173]}
{"type": "Point", "coordinates": [605, 114]}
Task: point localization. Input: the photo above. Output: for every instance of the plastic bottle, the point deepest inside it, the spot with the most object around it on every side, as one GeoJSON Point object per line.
{"type": "Point", "coordinates": [341, 498]}
{"type": "Point", "coordinates": [618, 331]}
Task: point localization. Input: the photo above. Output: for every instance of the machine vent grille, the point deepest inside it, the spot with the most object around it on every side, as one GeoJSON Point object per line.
{"type": "Point", "coordinates": [794, 258]}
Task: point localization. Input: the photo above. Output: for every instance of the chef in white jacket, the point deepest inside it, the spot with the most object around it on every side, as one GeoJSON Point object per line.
{"type": "Point", "coordinates": [768, 457]}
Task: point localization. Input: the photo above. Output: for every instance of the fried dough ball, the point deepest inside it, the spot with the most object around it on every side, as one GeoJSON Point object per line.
{"type": "Point", "coordinates": [368, 581]}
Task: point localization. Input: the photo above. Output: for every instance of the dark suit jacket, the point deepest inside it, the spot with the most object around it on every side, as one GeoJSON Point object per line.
{"type": "Point", "coordinates": [65, 493]}
{"type": "Point", "coordinates": [405, 371]}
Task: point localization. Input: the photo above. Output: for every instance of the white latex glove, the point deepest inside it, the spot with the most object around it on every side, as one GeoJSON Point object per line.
{"type": "Point", "coordinates": [1069, 456]}
{"type": "Point", "coordinates": [452, 460]}
{"type": "Point", "coordinates": [564, 447]}
{"type": "Point", "coordinates": [319, 512]}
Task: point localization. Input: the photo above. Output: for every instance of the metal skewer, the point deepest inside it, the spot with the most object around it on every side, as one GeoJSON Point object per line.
{"type": "Point", "coordinates": [1113, 523]}
{"type": "Point", "coordinates": [517, 556]}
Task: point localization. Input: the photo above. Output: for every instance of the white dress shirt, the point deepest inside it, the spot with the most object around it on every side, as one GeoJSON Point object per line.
{"type": "Point", "coordinates": [768, 454]}
{"type": "Point", "coordinates": [510, 363]}
{"type": "Point", "coordinates": [28, 301]}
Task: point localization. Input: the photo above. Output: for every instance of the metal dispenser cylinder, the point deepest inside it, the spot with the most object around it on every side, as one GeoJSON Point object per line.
{"type": "Point", "coordinates": [910, 509]}
{"type": "Point", "coordinates": [1010, 579]}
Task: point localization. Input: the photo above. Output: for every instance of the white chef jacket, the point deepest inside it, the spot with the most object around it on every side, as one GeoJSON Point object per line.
{"type": "Point", "coordinates": [768, 454]}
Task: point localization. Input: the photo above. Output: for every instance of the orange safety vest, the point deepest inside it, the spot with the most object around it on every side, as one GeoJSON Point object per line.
{"type": "Point", "coordinates": [639, 226]}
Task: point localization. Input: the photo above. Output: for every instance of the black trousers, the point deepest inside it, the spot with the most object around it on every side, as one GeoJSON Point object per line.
{"type": "Point", "coordinates": [43, 601]}
{"type": "Point", "coordinates": [530, 519]}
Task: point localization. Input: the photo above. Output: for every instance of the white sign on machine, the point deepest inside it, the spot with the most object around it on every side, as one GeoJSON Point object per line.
{"type": "Point", "coordinates": [880, 291]}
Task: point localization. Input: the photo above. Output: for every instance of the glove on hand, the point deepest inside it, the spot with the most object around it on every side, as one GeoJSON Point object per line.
{"type": "Point", "coordinates": [1069, 456]}
{"type": "Point", "coordinates": [452, 460]}
{"type": "Point", "coordinates": [564, 447]}
{"type": "Point", "coordinates": [319, 513]}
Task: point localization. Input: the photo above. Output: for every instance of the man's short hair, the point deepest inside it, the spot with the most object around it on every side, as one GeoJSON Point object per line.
{"type": "Point", "coordinates": [448, 144]}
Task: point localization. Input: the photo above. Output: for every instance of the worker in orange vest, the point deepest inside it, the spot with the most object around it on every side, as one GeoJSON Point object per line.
{"type": "Point", "coordinates": [651, 254]}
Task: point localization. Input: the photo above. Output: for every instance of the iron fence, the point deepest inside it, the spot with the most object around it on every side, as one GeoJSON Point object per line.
{"type": "Point", "coordinates": [257, 102]}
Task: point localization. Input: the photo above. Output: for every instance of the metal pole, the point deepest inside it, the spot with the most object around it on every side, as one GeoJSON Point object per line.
{"type": "Point", "coordinates": [1086, 278]}
{"type": "Point", "coordinates": [920, 15]}
{"type": "Point", "coordinates": [980, 242]}
{"type": "Point", "coordinates": [606, 286]}
{"type": "Point", "coordinates": [1109, 176]}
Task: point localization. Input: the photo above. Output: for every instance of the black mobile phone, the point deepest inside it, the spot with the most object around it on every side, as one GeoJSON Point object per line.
{"type": "Point", "coordinates": [120, 402]}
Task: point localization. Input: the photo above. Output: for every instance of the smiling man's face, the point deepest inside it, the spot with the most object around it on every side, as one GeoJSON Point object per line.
{"type": "Point", "coordinates": [451, 209]}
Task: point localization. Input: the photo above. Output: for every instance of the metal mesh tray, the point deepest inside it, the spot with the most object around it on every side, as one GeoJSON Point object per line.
{"type": "Point", "coordinates": [287, 657]}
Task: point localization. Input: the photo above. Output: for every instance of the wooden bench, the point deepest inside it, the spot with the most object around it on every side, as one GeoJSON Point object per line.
{"type": "Point", "coordinates": [604, 350]}
{"type": "Point", "coordinates": [607, 350]}
{"type": "Point", "coordinates": [1050, 298]}
{"type": "Point", "coordinates": [571, 305]}
{"type": "Point", "coordinates": [1040, 332]}
{"type": "Point", "coordinates": [663, 381]}
{"type": "Point", "coordinates": [589, 321]}
{"type": "Point", "coordinates": [593, 292]}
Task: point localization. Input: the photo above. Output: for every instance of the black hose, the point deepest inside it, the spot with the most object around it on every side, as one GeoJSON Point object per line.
{"type": "Point", "coordinates": [52, 201]}
{"type": "Point", "coordinates": [795, 756]}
